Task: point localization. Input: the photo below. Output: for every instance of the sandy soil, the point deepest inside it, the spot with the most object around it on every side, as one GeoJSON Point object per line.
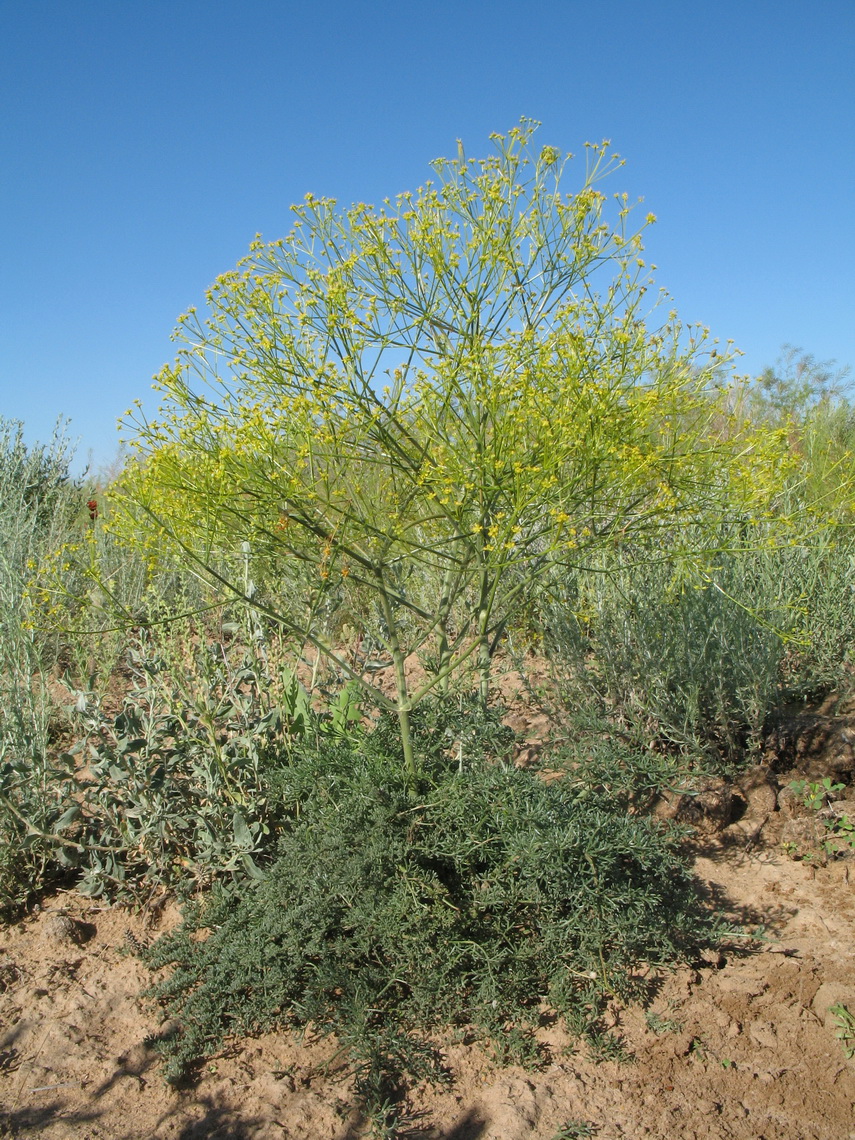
{"type": "Point", "coordinates": [740, 1046]}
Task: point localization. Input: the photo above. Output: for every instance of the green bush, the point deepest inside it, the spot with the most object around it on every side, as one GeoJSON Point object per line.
{"type": "Point", "coordinates": [690, 666]}
{"type": "Point", "coordinates": [39, 506]}
{"type": "Point", "coordinates": [819, 578]}
{"type": "Point", "coordinates": [393, 912]}
{"type": "Point", "coordinates": [175, 789]}
{"type": "Point", "coordinates": [701, 666]}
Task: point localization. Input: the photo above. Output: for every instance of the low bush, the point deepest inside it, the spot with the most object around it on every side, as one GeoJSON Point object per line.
{"type": "Point", "coordinates": [696, 667]}
{"type": "Point", "coordinates": [475, 899]}
{"type": "Point", "coordinates": [39, 505]}
{"type": "Point", "coordinates": [692, 667]}
{"type": "Point", "coordinates": [174, 789]}
{"type": "Point", "coordinates": [819, 576]}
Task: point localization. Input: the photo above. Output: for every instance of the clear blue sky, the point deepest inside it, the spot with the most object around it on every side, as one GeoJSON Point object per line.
{"type": "Point", "coordinates": [143, 144]}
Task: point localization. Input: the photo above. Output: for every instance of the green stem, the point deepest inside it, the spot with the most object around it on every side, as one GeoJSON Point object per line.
{"type": "Point", "coordinates": [483, 637]}
{"type": "Point", "coordinates": [445, 652]}
{"type": "Point", "coordinates": [403, 703]}
{"type": "Point", "coordinates": [407, 742]}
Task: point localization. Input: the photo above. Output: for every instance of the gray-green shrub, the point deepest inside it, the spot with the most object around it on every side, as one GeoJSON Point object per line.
{"type": "Point", "coordinates": [39, 506]}
{"type": "Point", "coordinates": [701, 664]}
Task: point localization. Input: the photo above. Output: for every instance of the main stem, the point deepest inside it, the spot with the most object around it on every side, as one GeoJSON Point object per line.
{"type": "Point", "coordinates": [402, 692]}
{"type": "Point", "coordinates": [483, 638]}
{"type": "Point", "coordinates": [444, 649]}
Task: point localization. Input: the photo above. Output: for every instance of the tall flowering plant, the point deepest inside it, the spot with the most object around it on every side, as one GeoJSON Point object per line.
{"type": "Point", "coordinates": [427, 404]}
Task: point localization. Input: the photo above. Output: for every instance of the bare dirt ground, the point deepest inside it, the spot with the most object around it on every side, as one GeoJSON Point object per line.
{"type": "Point", "coordinates": [741, 1046]}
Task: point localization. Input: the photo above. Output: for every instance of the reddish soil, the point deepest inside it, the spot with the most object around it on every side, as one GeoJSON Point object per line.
{"type": "Point", "coordinates": [741, 1046]}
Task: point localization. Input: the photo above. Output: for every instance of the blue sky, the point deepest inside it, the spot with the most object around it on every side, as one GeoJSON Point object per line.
{"type": "Point", "coordinates": [142, 145]}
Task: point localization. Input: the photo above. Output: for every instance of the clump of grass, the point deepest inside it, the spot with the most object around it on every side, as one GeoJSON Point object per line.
{"type": "Point", "coordinates": [472, 900]}
{"type": "Point", "coordinates": [844, 1028]}
{"type": "Point", "coordinates": [575, 1130]}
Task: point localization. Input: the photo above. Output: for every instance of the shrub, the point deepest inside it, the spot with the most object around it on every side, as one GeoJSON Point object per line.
{"type": "Point", "coordinates": [175, 789]}
{"type": "Point", "coordinates": [696, 667]}
{"type": "Point", "coordinates": [702, 667]}
{"type": "Point", "coordinates": [393, 911]}
{"type": "Point", "coordinates": [39, 505]}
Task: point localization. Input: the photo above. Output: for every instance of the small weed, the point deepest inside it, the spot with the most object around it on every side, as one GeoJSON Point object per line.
{"type": "Point", "coordinates": [844, 831]}
{"type": "Point", "coordinates": [575, 1130]}
{"type": "Point", "coordinates": [816, 795]}
{"type": "Point", "coordinates": [608, 1047]}
{"type": "Point", "coordinates": [844, 1028]}
{"type": "Point", "coordinates": [838, 830]}
{"type": "Point", "coordinates": [701, 1050]}
{"type": "Point", "coordinates": [658, 1024]}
